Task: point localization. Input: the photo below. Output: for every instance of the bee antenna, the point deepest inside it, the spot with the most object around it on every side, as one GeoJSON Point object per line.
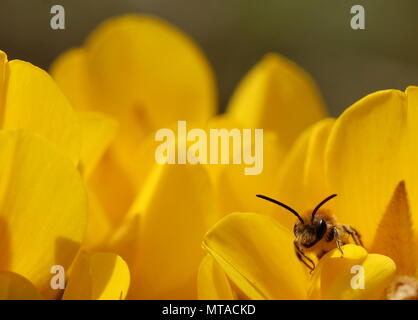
{"type": "Point", "coordinates": [282, 205]}
{"type": "Point", "coordinates": [321, 204]}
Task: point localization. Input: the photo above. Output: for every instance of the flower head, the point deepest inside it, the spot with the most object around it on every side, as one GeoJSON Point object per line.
{"type": "Point", "coordinates": [367, 157]}
{"type": "Point", "coordinates": [148, 75]}
{"type": "Point", "coordinates": [43, 198]}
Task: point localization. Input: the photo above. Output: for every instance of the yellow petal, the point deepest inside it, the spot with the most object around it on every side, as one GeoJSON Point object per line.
{"type": "Point", "coordinates": [212, 283]}
{"type": "Point", "coordinates": [15, 287]}
{"type": "Point", "coordinates": [411, 158]}
{"type": "Point", "coordinates": [146, 150]}
{"type": "Point", "coordinates": [98, 276]}
{"type": "Point", "coordinates": [314, 170]}
{"type": "Point", "coordinates": [394, 236]}
{"type": "Point", "coordinates": [125, 241]}
{"type": "Point", "coordinates": [113, 186]}
{"type": "Point", "coordinates": [99, 225]}
{"type": "Point", "coordinates": [219, 122]}
{"type": "Point", "coordinates": [277, 95]}
{"type": "Point", "coordinates": [98, 130]}
{"type": "Point", "coordinates": [175, 208]}
{"type": "Point", "coordinates": [144, 63]}
{"type": "Point", "coordinates": [364, 159]}
{"type": "Point", "coordinates": [340, 278]}
{"type": "Point", "coordinates": [237, 191]}
{"type": "Point", "coordinates": [34, 102]}
{"type": "Point", "coordinates": [257, 254]}
{"type": "Point", "coordinates": [3, 64]}
{"type": "Point", "coordinates": [302, 183]}
{"type": "Point", "coordinates": [43, 207]}
{"type": "Point", "coordinates": [71, 72]}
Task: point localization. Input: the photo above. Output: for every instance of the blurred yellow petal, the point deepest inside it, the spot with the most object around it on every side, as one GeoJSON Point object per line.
{"type": "Point", "coordinates": [314, 169]}
{"type": "Point", "coordinates": [302, 182]}
{"type": "Point", "coordinates": [34, 102]}
{"type": "Point", "coordinates": [144, 63]}
{"type": "Point", "coordinates": [277, 95]}
{"type": "Point", "coordinates": [145, 73]}
{"type": "Point", "coordinates": [98, 276]}
{"type": "Point", "coordinates": [3, 64]}
{"type": "Point", "coordinates": [237, 191]}
{"type": "Point", "coordinates": [15, 287]}
{"type": "Point", "coordinates": [257, 254]}
{"type": "Point", "coordinates": [99, 225]}
{"type": "Point", "coordinates": [174, 210]}
{"type": "Point", "coordinates": [410, 164]}
{"type": "Point", "coordinates": [98, 130]}
{"type": "Point", "coordinates": [148, 75]}
{"type": "Point", "coordinates": [125, 240]}
{"type": "Point", "coordinates": [212, 283]}
{"type": "Point", "coordinates": [364, 160]}
{"type": "Point", "coordinates": [71, 73]}
{"type": "Point", "coordinates": [43, 207]}
{"type": "Point", "coordinates": [145, 153]}
{"type": "Point", "coordinates": [219, 122]}
{"type": "Point", "coordinates": [113, 186]}
{"type": "Point", "coordinates": [340, 278]}
{"type": "Point", "coordinates": [394, 236]}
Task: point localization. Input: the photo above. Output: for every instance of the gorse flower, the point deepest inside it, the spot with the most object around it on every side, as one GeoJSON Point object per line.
{"type": "Point", "coordinates": [148, 75]}
{"type": "Point", "coordinates": [145, 74]}
{"type": "Point", "coordinates": [367, 156]}
{"type": "Point", "coordinates": [44, 203]}
{"type": "Point", "coordinates": [80, 188]}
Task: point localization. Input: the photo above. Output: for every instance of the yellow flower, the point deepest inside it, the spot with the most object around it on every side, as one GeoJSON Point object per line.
{"type": "Point", "coordinates": [144, 73]}
{"type": "Point", "coordinates": [281, 98]}
{"type": "Point", "coordinates": [149, 75]}
{"type": "Point", "coordinates": [43, 200]}
{"type": "Point", "coordinates": [367, 156]}
{"type": "Point", "coordinates": [256, 254]}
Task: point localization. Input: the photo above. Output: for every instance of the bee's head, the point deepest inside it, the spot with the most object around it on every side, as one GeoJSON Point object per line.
{"type": "Point", "coordinates": [309, 230]}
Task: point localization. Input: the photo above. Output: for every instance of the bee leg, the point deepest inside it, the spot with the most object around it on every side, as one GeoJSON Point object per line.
{"type": "Point", "coordinates": [302, 257]}
{"type": "Point", "coordinates": [338, 241]}
{"type": "Point", "coordinates": [354, 234]}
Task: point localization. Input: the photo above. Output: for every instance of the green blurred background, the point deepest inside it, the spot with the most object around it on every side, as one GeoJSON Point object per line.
{"type": "Point", "coordinates": [346, 64]}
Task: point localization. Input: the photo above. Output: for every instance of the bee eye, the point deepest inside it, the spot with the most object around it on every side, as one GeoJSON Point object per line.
{"type": "Point", "coordinates": [322, 228]}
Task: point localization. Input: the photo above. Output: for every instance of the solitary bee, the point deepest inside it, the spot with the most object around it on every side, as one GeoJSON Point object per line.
{"type": "Point", "coordinates": [318, 232]}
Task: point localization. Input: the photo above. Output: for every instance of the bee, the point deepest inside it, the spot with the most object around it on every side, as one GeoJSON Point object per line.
{"type": "Point", "coordinates": [318, 232]}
